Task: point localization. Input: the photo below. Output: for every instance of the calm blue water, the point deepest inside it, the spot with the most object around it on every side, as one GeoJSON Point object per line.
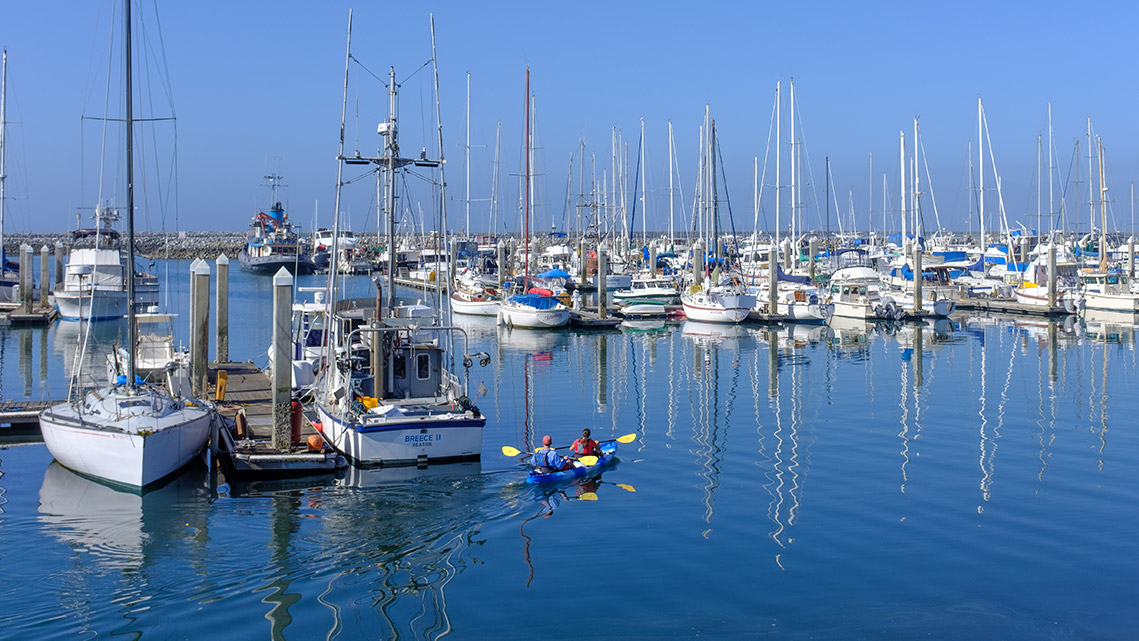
{"type": "Point", "coordinates": [974, 480]}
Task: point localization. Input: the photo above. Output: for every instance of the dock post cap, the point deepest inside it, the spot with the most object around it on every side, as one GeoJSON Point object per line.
{"type": "Point", "coordinates": [222, 259]}
{"type": "Point", "coordinates": [282, 278]}
{"type": "Point", "coordinates": [202, 268]}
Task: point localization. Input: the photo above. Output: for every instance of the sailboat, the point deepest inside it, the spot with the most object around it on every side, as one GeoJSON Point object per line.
{"type": "Point", "coordinates": [531, 309]}
{"type": "Point", "coordinates": [128, 433]}
{"type": "Point", "coordinates": [721, 298]}
{"type": "Point", "coordinates": [387, 397]}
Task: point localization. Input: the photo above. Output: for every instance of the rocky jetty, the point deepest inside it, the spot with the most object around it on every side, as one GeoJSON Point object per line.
{"type": "Point", "coordinates": [185, 244]}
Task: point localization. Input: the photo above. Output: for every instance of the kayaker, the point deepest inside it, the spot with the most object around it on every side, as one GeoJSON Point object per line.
{"type": "Point", "coordinates": [546, 460]}
{"type": "Point", "coordinates": [585, 446]}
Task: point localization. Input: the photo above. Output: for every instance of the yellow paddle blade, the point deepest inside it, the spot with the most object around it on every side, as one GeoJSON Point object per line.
{"type": "Point", "coordinates": [626, 487]}
{"type": "Point", "coordinates": [588, 496]}
{"type": "Point", "coordinates": [628, 438]}
{"type": "Point", "coordinates": [510, 451]}
{"type": "Point", "coordinates": [588, 460]}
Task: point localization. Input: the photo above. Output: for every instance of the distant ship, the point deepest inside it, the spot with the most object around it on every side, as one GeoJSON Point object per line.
{"type": "Point", "coordinates": [274, 242]}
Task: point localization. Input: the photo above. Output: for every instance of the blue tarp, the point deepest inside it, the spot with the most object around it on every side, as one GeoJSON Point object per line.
{"type": "Point", "coordinates": [535, 301]}
{"type": "Point", "coordinates": [554, 273]}
{"type": "Point", "coordinates": [788, 278]}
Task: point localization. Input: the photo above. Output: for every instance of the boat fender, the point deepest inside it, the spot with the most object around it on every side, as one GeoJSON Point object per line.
{"type": "Point", "coordinates": [315, 443]}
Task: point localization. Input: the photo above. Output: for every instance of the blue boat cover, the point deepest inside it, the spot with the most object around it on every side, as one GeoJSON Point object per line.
{"type": "Point", "coordinates": [554, 273]}
{"type": "Point", "coordinates": [535, 301]}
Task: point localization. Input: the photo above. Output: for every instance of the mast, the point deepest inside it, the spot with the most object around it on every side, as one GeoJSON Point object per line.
{"type": "Point", "coordinates": [334, 263]}
{"type": "Point", "coordinates": [467, 162]}
{"type": "Point", "coordinates": [393, 151]}
{"type": "Point", "coordinates": [526, 202]}
{"type": "Point", "coordinates": [642, 160]}
{"type": "Point", "coordinates": [902, 177]}
{"type": "Point", "coordinates": [981, 173]}
{"type": "Point", "coordinates": [132, 339]}
{"type": "Point", "coordinates": [3, 129]}
{"type": "Point", "coordinates": [772, 251]}
{"type": "Point", "coordinates": [670, 196]}
{"type": "Point", "coordinates": [1051, 203]}
{"type": "Point", "coordinates": [1102, 213]}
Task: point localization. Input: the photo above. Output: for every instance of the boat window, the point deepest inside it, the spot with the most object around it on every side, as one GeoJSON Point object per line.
{"type": "Point", "coordinates": [423, 366]}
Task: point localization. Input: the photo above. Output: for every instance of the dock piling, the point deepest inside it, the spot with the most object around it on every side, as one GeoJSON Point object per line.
{"type": "Point", "coordinates": [45, 276]}
{"type": "Point", "coordinates": [222, 302]}
{"type": "Point", "coordinates": [282, 361]}
{"type": "Point", "coordinates": [602, 308]}
{"type": "Point", "coordinates": [59, 262]}
{"type": "Point", "coordinates": [199, 326]}
{"type": "Point", "coordinates": [26, 283]}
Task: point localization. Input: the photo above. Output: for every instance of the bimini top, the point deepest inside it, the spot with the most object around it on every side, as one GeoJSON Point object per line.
{"type": "Point", "coordinates": [535, 301]}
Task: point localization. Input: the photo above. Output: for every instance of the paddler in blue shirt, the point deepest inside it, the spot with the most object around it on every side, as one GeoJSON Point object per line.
{"type": "Point", "coordinates": [546, 460]}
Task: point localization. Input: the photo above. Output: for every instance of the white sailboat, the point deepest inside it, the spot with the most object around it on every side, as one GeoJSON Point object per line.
{"type": "Point", "coordinates": [128, 433]}
{"type": "Point", "coordinates": [531, 310]}
{"type": "Point", "coordinates": [721, 298]}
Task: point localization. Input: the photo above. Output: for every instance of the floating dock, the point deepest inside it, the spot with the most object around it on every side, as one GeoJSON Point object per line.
{"type": "Point", "coordinates": [589, 319]}
{"type": "Point", "coordinates": [15, 314]}
{"type": "Point", "coordinates": [20, 421]}
{"type": "Point", "coordinates": [1008, 306]}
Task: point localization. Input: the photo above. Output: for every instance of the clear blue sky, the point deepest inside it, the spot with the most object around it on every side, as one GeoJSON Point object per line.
{"type": "Point", "coordinates": [255, 81]}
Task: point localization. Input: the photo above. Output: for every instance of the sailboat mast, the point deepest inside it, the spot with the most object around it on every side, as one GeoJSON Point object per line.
{"type": "Point", "coordinates": [467, 161]}
{"type": "Point", "coordinates": [3, 129]}
{"type": "Point", "coordinates": [526, 202]}
{"type": "Point", "coordinates": [671, 200]}
{"type": "Point", "coordinates": [981, 173]}
{"type": "Point", "coordinates": [1103, 213]}
{"type": "Point", "coordinates": [132, 339]}
{"type": "Point", "coordinates": [334, 262]}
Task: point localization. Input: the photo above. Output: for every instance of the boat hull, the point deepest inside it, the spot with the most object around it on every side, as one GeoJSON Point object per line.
{"type": "Point", "coordinates": [474, 307]}
{"type": "Point", "coordinates": [717, 308]}
{"type": "Point", "coordinates": [414, 441]}
{"type": "Point", "coordinates": [531, 318]}
{"type": "Point", "coordinates": [131, 458]}
{"type": "Point", "coordinates": [102, 305]}
{"type": "Point", "coordinates": [608, 455]}
{"type": "Point", "coordinates": [272, 264]}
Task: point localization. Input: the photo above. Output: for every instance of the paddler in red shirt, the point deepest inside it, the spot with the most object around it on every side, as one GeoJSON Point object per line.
{"type": "Point", "coordinates": [585, 446]}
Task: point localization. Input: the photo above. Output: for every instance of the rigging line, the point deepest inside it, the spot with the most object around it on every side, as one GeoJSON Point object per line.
{"type": "Point", "coordinates": [728, 200]}
{"type": "Point", "coordinates": [369, 71]}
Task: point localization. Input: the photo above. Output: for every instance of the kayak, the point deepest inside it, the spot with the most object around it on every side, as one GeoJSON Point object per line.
{"type": "Point", "coordinates": [608, 454]}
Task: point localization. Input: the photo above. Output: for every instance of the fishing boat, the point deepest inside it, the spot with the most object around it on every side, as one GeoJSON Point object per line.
{"type": "Point", "coordinates": [648, 289]}
{"type": "Point", "coordinates": [608, 455]}
{"type": "Point", "coordinates": [127, 433]}
{"type": "Point", "coordinates": [386, 397]}
{"type": "Point", "coordinates": [273, 242]}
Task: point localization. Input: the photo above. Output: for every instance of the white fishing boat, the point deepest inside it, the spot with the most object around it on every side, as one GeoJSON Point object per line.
{"type": "Point", "coordinates": [645, 289]}
{"type": "Point", "coordinates": [856, 293]}
{"type": "Point", "coordinates": [94, 285]}
{"type": "Point", "coordinates": [127, 433]}
{"type": "Point", "coordinates": [386, 397]}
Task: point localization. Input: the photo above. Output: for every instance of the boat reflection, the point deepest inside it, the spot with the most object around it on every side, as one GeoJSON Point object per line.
{"type": "Point", "coordinates": [122, 529]}
{"type": "Point", "coordinates": [713, 333]}
{"type": "Point", "coordinates": [83, 348]}
{"type": "Point", "coordinates": [1110, 327]}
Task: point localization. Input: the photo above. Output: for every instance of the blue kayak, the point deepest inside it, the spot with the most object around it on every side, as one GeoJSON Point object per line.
{"type": "Point", "coordinates": [608, 453]}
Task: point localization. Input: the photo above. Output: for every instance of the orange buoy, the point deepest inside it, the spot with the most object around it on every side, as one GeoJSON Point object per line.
{"type": "Point", "coordinates": [315, 443]}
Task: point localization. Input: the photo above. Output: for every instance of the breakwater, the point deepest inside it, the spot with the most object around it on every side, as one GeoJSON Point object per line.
{"type": "Point", "coordinates": [175, 245]}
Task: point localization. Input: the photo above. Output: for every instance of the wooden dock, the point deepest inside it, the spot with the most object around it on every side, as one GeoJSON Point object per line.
{"type": "Point", "coordinates": [251, 457]}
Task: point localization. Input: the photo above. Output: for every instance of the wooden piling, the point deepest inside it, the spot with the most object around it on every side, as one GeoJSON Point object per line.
{"type": "Point", "coordinates": [199, 326]}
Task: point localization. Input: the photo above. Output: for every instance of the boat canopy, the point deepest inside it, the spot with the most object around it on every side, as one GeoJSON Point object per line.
{"type": "Point", "coordinates": [535, 301]}
{"type": "Point", "coordinates": [554, 273]}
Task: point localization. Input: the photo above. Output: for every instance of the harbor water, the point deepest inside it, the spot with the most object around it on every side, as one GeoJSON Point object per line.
{"type": "Point", "coordinates": [973, 478]}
